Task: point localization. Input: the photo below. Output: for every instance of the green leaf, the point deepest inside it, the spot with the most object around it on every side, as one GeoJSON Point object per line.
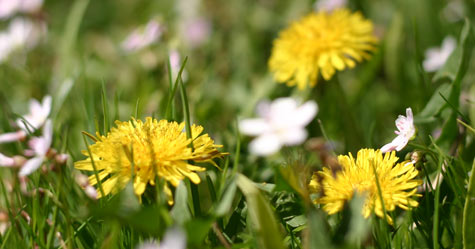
{"type": "Point", "coordinates": [319, 236]}
{"type": "Point", "coordinates": [297, 221]}
{"type": "Point", "coordinates": [180, 211]}
{"type": "Point", "coordinates": [469, 213]}
{"type": "Point", "coordinates": [225, 205]}
{"type": "Point", "coordinates": [262, 217]}
{"type": "Point", "coordinates": [435, 105]}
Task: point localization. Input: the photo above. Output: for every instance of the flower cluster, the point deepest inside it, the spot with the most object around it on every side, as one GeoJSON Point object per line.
{"type": "Point", "coordinates": [39, 149]}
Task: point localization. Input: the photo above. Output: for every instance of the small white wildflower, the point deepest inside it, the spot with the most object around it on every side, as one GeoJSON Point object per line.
{"type": "Point", "coordinates": [143, 37]}
{"type": "Point", "coordinates": [30, 122]}
{"type": "Point", "coordinates": [40, 146]}
{"type": "Point", "coordinates": [175, 238]}
{"type": "Point", "coordinates": [329, 5]}
{"type": "Point", "coordinates": [436, 57]}
{"type": "Point", "coordinates": [21, 34]}
{"type": "Point", "coordinates": [406, 131]}
{"type": "Point", "coordinates": [37, 116]}
{"type": "Point", "coordinates": [280, 123]}
{"type": "Point", "coordinates": [9, 7]}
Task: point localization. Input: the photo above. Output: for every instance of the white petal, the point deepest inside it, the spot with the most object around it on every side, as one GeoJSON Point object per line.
{"type": "Point", "coordinates": [293, 137]}
{"type": "Point", "coordinates": [30, 166]}
{"type": "Point", "coordinates": [254, 127]}
{"type": "Point", "coordinates": [151, 244]}
{"type": "Point", "coordinates": [409, 116]}
{"type": "Point", "coordinates": [263, 109]}
{"type": "Point", "coordinates": [174, 238]}
{"type": "Point", "coordinates": [388, 147]}
{"type": "Point", "coordinates": [400, 142]}
{"type": "Point", "coordinates": [305, 113]}
{"type": "Point", "coordinates": [12, 136]}
{"type": "Point", "coordinates": [46, 106]}
{"type": "Point", "coordinates": [282, 107]}
{"type": "Point", "coordinates": [266, 144]}
{"type": "Point", "coordinates": [6, 161]}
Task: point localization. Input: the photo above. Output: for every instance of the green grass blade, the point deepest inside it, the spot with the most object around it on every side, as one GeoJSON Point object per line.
{"type": "Point", "coordinates": [105, 110]}
{"type": "Point", "coordinates": [168, 112]}
{"type": "Point", "coordinates": [469, 213]}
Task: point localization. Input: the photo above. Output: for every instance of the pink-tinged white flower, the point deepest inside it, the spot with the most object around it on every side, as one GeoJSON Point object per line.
{"type": "Point", "coordinates": [21, 34]}
{"type": "Point", "coordinates": [40, 147]}
{"type": "Point", "coordinates": [31, 121]}
{"type": "Point", "coordinates": [280, 123]}
{"type": "Point", "coordinates": [143, 37]}
{"type": "Point", "coordinates": [6, 161]}
{"type": "Point", "coordinates": [329, 5]}
{"type": "Point", "coordinates": [196, 31]}
{"type": "Point", "coordinates": [9, 7]}
{"type": "Point", "coordinates": [436, 57]}
{"type": "Point", "coordinates": [175, 238]}
{"type": "Point", "coordinates": [37, 116]}
{"type": "Point", "coordinates": [406, 131]}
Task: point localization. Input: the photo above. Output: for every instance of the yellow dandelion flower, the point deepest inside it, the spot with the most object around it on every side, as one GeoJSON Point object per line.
{"type": "Point", "coordinates": [396, 181]}
{"type": "Point", "coordinates": [141, 151]}
{"type": "Point", "coordinates": [321, 42]}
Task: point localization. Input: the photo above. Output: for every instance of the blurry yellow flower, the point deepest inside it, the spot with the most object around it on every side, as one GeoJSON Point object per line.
{"type": "Point", "coordinates": [141, 151]}
{"type": "Point", "coordinates": [320, 43]}
{"type": "Point", "coordinates": [396, 181]}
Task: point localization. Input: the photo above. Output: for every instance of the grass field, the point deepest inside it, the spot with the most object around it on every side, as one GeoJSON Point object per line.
{"type": "Point", "coordinates": [237, 124]}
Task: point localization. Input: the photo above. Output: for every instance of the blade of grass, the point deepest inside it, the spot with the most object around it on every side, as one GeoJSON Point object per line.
{"type": "Point", "coordinates": [173, 90]}
{"type": "Point", "coordinates": [469, 213]}
{"type": "Point", "coordinates": [93, 166]}
{"type": "Point", "coordinates": [105, 109]}
{"type": "Point", "coordinates": [186, 109]}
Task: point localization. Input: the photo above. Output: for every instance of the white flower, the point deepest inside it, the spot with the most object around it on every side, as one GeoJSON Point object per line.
{"type": "Point", "coordinates": [21, 33]}
{"type": "Point", "coordinates": [406, 131]}
{"type": "Point", "coordinates": [33, 120]}
{"type": "Point", "coordinates": [40, 146]}
{"type": "Point", "coordinates": [436, 57]}
{"type": "Point", "coordinates": [174, 238]}
{"type": "Point", "coordinates": [37, 116]}
{"type": "Point", "coordinates": [10, 7]}
{"type": "Point", "coordinates": [329, 5]}
{"type": "Point", "coordinates": [143, 37]}
{"type": "Point", "coordinates": [196, 31]}
{"type": "Point", "coordinates": [6, 161]}
{"type": "Point", "coordinates": [281, 122]}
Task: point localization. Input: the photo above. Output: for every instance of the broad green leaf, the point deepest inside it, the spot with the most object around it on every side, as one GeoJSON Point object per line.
{"type": "Point", "coordinates": [180, 211]}
{"type": "Point", "coordinates": [297, 221]}
{"type": "Point", "coordinates": [469, 213]}
{"type": "Point", "coordinates": [263, 219]}
{"type": "Point", "coordinates": [435, 104]}
{"type": "Point", "coordinates": [319, 236]}
{"type": "Point", "coordinates": [224, 206]}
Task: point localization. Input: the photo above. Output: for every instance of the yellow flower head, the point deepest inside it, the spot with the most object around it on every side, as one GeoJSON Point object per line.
{"type": "Point", "coordinates": [320, 43]}
{"type": "Point", "coordinates": [397, 183]}
{"type": "Point", "coordinates": [141, 151]}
